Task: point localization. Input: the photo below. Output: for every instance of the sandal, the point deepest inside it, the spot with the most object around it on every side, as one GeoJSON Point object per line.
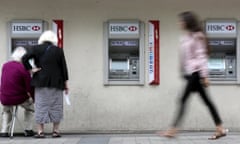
{"type": "Point", "coordinates": [39, 135]}
{"type": "Point", "coordinates": [171, 133]}
{"type": "Point", "coordinates": [219, 134]}
{"type": "Point", "coordinates": [56, 134]}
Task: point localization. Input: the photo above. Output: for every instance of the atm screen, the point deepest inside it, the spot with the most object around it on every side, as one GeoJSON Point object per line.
{"type": "Point", "coordinates": [216, 63]}
{"type": "Point", "coordinates": [124, 43]}
{"type": "Point", "coordinates": [24, 42]}
{"type": "Point", "coordinates": [119, 64]}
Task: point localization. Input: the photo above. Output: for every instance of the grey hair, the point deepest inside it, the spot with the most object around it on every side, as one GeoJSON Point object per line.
{"type": "Point", "coordinates": [48, 36]}
{"type": "Point", "coordinates": [18, 53]}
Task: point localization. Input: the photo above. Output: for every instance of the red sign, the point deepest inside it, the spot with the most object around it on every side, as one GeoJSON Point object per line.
{"type": "Point", "coordinates": [58, 29]}
{"type": "Point", "coordinates": [154, 68]}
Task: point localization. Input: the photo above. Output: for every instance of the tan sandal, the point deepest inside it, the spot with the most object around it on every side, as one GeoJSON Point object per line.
{"type": "Point", "coordinates": [219, 134]}
{"type": "Point", "coordinates": [170, 133]}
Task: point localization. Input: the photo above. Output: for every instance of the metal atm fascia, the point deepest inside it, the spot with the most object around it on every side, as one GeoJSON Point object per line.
{"type": "Point", "coordinates": [107, 36]}
{"type": "Point", "coordinates": [230, 58]}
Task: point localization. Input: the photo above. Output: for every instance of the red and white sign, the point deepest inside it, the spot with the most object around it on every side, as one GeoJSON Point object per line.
{"type": "Point", "coordinates": [27, 28]}
{"type": "Point", "coordinates": [221, 27]}
{"type": "Point", "coordinates": [154, 78]}
{"type": "Point", "coordinates": [58, 29]}
{"type": "Point", "coordinates": [123, 28]}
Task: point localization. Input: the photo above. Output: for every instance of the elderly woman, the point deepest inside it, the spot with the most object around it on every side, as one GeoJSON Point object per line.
{"type": "Point", "coordinates": [16, 90]}
{"type": "Point", "coordinates": [49, 79]}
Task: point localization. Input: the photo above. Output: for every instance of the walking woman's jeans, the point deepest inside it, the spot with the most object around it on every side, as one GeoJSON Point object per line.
{"type": "Point", "coordinates": [194, 85]}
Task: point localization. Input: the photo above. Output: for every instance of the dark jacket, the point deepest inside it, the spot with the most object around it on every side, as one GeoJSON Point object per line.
{"type": "Point", "coordinates": [15, 84]}
{"type": "Point", "coordinates": [51, 60]}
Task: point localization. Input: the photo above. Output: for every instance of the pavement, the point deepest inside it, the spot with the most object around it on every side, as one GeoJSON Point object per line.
{"type": "Point", "coordinates": [182, 138]}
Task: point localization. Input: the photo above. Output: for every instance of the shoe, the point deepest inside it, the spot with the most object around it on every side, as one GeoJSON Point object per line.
{"type": "Point", "coordinates": [40, 135]}
{"type": "Point", "coordinates": [29, 133]}
{"type": "Point", "coordinates": [4, 135]}
{"type": "Point", "coordinates": [56, 134]}
{"type": "Point", "coordinates": [170, 133]}
{"type": "Point", "coordinates": [219, 134]}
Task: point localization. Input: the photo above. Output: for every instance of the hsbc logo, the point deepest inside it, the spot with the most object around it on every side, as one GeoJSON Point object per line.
{"type": "Point", "coordinates": [224, 28]}
{"type": "Point", "coordinates": [36, 28]}
{"type": "Point", "coordinates": [132, 28]}
{"type": "Point", "coordinates": [27, 28]}
{"type": "Point", "coordinates": [230, 27]}
{"type": "Point", "coordinates": [122, 28]}
{"type": "Point", "coordinates": [220, 27]}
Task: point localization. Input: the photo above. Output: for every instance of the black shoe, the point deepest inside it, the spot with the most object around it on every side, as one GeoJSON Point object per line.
{"type": "Point", "coordinates": [29, 133]}
{"type": "Point", "coordinates": [4, 135]}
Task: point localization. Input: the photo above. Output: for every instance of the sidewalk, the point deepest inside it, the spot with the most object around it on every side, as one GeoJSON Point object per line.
{"type": "Point", "coordinates": [183, 138]}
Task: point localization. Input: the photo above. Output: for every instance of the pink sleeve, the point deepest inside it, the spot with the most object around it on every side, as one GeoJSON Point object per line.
{"type": "Point", "coordinates": [201, 57]}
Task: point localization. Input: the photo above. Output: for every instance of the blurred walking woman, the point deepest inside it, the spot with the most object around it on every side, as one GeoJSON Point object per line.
{"type": "Point", "coordinates": [194, 56]}
{"type": "Point", "coordinates": [49, 79]}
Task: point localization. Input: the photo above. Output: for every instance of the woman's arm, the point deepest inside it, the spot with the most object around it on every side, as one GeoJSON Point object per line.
{"type": "Point", "coordinates": [200, 55]}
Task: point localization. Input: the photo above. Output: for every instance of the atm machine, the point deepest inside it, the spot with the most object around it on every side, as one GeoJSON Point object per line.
{"type": "Point", "coordinates": [222, 39]}
{"type": "Point", "coordinates": [123, 64]}
{"type": "Point", "coordinates": [25, 33]}
{"type": "Point", "coordinates": [124, 52]}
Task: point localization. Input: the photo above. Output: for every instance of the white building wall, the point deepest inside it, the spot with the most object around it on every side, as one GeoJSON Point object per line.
{"type": "Point", "coordinates": [98, 107]}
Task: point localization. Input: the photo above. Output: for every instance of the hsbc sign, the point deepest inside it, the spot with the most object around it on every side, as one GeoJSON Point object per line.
{"type": "Point", "coordinates": [123, 28]}
{"type": "Point", "coordinates": [221, 27]}
{"type": "Point", "coordinates": [27, 28]}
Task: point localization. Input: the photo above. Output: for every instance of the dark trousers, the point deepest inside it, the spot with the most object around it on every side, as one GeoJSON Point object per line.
{"type": "Point", "coordinates": [194, 85]}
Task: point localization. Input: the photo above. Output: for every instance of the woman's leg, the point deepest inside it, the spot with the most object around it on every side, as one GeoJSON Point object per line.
{"type": "Point", "coordinates": [183, 102]}
{"type": "Point", "coordinates": [209, 104]}
{"type": "Point", "coordinates": [28, 117]}
{"type": "Point", "coordinates": [6, 119]}
{"type": "Point", "coordinates": [41, 111]}
{"type": "Point", "coordinates": [56, 133]}
{"type": "Point", "coordinates": [220, 131]}
{"type": "Point", "coordinates": [40, 131]}
{"type": "Point", "coordinates": [40, 128]}
{"type": "Point", "coordinates": [56, 127]}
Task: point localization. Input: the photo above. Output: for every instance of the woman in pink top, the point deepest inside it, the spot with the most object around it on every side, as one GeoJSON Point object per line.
{"type": "Point", "coordinates": [194, 57]}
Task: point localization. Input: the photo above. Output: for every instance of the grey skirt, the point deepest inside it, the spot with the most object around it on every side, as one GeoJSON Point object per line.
{"type": "Point", "coordinates": [48, 105]}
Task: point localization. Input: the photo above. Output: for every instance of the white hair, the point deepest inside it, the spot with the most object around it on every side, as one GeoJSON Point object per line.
{"type": "Point", "coordinates": [48, 36]}
{"type": "Point", "coordinates": [18, 53]}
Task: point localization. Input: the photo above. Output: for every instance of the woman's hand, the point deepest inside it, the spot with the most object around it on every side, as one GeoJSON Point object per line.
{"type": "Point", "coordinates": [66, 89]}
{"type": "Point", "coordinates": [34, 70]}
{"type": "Point", "coordinates": [205, 82]}
{"type": "Point", "coordinates": [30, 97]}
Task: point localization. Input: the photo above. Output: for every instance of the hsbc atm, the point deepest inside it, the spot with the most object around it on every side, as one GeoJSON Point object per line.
{"type": "Point", "coordinates": [123, 52]}
{"type": "Point", "coordinates": [25, 33]}
{"type": "Point", "coordinates": [223, 41]}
